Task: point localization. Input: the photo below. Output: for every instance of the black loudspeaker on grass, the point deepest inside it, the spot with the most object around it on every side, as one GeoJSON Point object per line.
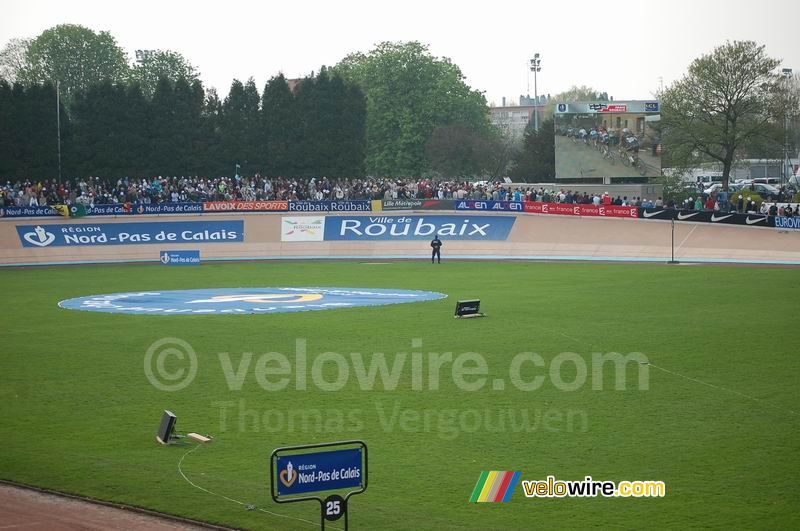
{"type": "Point", "coordinates": [468, 308]}
{"type": "Point", "coordinates": [166, 431]}
{"type": "Point", "coordinates": [168, 435]}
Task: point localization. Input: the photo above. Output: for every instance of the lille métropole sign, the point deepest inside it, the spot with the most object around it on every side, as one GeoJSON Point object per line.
{"type": "Point", "coordinates": [299, 473]}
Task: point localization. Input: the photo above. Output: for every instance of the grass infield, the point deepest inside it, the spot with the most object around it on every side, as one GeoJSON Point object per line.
{"type": "Point", "coordinates": [718, 425]}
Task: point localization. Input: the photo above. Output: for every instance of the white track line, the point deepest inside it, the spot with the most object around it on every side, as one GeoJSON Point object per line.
{"type": "Point", "coordinates": [759, 400]}
{"type": "Point", "coordinates": [190, 482]}
{"type": "Point", "coordinates": [678, 248]}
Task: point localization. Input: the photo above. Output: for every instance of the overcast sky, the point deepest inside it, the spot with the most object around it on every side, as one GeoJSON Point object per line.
{"type": "Point", "coordinates": [622, 48]}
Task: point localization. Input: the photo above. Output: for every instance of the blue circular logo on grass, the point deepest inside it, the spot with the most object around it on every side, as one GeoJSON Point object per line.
{"type": "Point", "coordinates": [228, 301]}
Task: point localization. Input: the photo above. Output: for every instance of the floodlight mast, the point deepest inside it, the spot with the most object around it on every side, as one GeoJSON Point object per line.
{"type": "Point", "coordinates": [785, 171]}
{"type": "Point", "coordinates": [536, 67]}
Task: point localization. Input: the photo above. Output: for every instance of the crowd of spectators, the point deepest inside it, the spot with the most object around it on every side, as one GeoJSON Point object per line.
{"type": "Point", "coordinates": [94, 190]}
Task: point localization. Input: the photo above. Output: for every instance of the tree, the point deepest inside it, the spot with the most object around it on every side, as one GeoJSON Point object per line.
{"type": "Point", "coordinates": [331, 117]}
{"type": "Point", "coordinates": [350, 110]}
{"type": "Point", "coordinates": [253, 133]}
{"type": "Point", "coordinates": [409, 93]}
{"type": "Point", "coordinates": [135, 128]}
{"type": "Point", "coordinates": [28, 147]}
{"type": "Point", "coordinates": [209, 151]}
{"type": "Point", "coordinates": [162, 63]}
{"type": "Point", "coordinates": [12, 59]}
{"type": "Point", "coordinates": [165, 134]}
{"type": "Point", "coordinates": [75, 56]}
{"type": "Point", "coordinates": [233, 127]}
{"type": "Point", "coordinates": [502, 153]}
{"type": "Point", "coordinates": [728, 99]}
{"type": "Point", "coordinates": [100, 130]}
{"type": "Point", "coordinates": [279, 123]}
{"type": "Point", "coordinates": [456, 150]}
{"type": "Point", "coordinates": [537, 160]}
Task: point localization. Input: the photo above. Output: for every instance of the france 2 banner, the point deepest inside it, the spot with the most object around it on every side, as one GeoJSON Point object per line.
{"type": "Point", "coordinates": [573, 209]}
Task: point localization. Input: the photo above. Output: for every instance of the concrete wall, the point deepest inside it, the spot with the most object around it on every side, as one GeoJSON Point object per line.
{"type": "Point", "coordinates": [532, 236]}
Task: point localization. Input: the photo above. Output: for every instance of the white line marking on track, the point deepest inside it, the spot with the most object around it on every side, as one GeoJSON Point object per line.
{"type": "Point", "coordinates": [701, 382]}
{"type": "Point", "coordinates": [678, 248]}
{"type": "Point", "coordinates": [180, 471]}
{"type": "Point", "coordinates": [759, 400]}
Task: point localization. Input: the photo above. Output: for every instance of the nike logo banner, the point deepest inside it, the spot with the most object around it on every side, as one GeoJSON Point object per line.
{"type": "Point", "coordinates": [708, 216]}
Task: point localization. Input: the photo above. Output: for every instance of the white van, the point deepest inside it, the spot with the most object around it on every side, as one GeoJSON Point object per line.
{"type": "Point", "coordinates": [709, 178]}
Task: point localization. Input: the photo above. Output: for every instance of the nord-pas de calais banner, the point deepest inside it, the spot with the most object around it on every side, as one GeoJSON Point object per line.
{"type": "Point", "coordinates": [330, 206]}
{"type": "Point", "coordinates": [82, 234]}
{"type": "Point", "coordinates": [167, 208]}
{"type": "Point", "coordinates": [370, 228]}
{"type": "Point", "coordinates": [574, 209]}
{"type": "Point", "coordinates": [512, 206]}
{"type": "Point", "coordinates": [114, 209]}
{"type": "Point", "coordinates": [180, 258]}
{"type": "Point", "coordinates": [246, 206]}
{"type": "Point", "coordinates": [417, 204]}
{"type": "Point", "coordinates": [707, 216]}
{"type": "Point", "coordinates": [313, 472]}
{"type": "Point", "coordinates": [27, 212]}
{"type": "Point", "coordinates": [782, 222]}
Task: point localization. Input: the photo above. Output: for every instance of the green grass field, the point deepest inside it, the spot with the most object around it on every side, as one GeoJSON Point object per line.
{"type": "Point", "coordinates": [77, 413]}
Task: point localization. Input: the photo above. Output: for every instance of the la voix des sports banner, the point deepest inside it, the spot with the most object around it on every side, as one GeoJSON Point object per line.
{"type": "Point", "coordinates": [373, 228]}
{"type": "Point", "coordinates": [86, 234]}
{"type": "Point", "coordinates": [245, 206]}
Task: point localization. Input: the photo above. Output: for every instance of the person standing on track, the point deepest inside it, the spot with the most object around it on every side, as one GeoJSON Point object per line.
{"type": "Point", "coordinates": [436, 246]}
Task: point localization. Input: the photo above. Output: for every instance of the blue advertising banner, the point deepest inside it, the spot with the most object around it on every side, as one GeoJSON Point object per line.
{"type": "Point", "coordinates": [783, 222]}
{"type": "Point", "coordinates": [510, 206]}
{"type": "Point", "coordinates": [116, 209]}
{"type": "Point", "coordinates": [27, 212]}
{"type": "Point", "coordinates": [336, 469]}
{"type": "Point", "coordinates": [110, 210]}
{"type": "Point", "coordinates": [180, 258]}
{"type": "Point", "coordinates": [330, 206]}
{"type": "Point", "coordinates": [417, 227]}
{"type": "Point", "coordinates": [168, 208]}
{"type": "Point", "coordinates": [80, 234]}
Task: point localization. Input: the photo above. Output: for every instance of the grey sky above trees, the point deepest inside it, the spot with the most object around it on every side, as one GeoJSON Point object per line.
{"type": "Point", "coordinates": [625, 50]}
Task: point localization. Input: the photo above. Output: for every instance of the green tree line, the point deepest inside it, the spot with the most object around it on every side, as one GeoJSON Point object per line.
{"type": "Point", "coordinates": [115, 130]}
{"type": "Point", "coordinates": [388, 112]}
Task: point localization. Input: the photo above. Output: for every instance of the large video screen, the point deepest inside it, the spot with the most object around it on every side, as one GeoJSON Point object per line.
{"type": "Point", "coordinates": [606, 139]}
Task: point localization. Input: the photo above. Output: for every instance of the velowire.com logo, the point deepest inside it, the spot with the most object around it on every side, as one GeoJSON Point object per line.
{"type": "Point", "coordinates": [495, 486]}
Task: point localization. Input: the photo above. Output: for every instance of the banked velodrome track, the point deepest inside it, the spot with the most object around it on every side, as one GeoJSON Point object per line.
{"type": "Point", "coordinates": [533, 237]}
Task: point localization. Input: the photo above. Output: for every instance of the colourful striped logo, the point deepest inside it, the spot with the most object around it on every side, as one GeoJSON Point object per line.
{"type": "Point", "coordinates": [494, 486]}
